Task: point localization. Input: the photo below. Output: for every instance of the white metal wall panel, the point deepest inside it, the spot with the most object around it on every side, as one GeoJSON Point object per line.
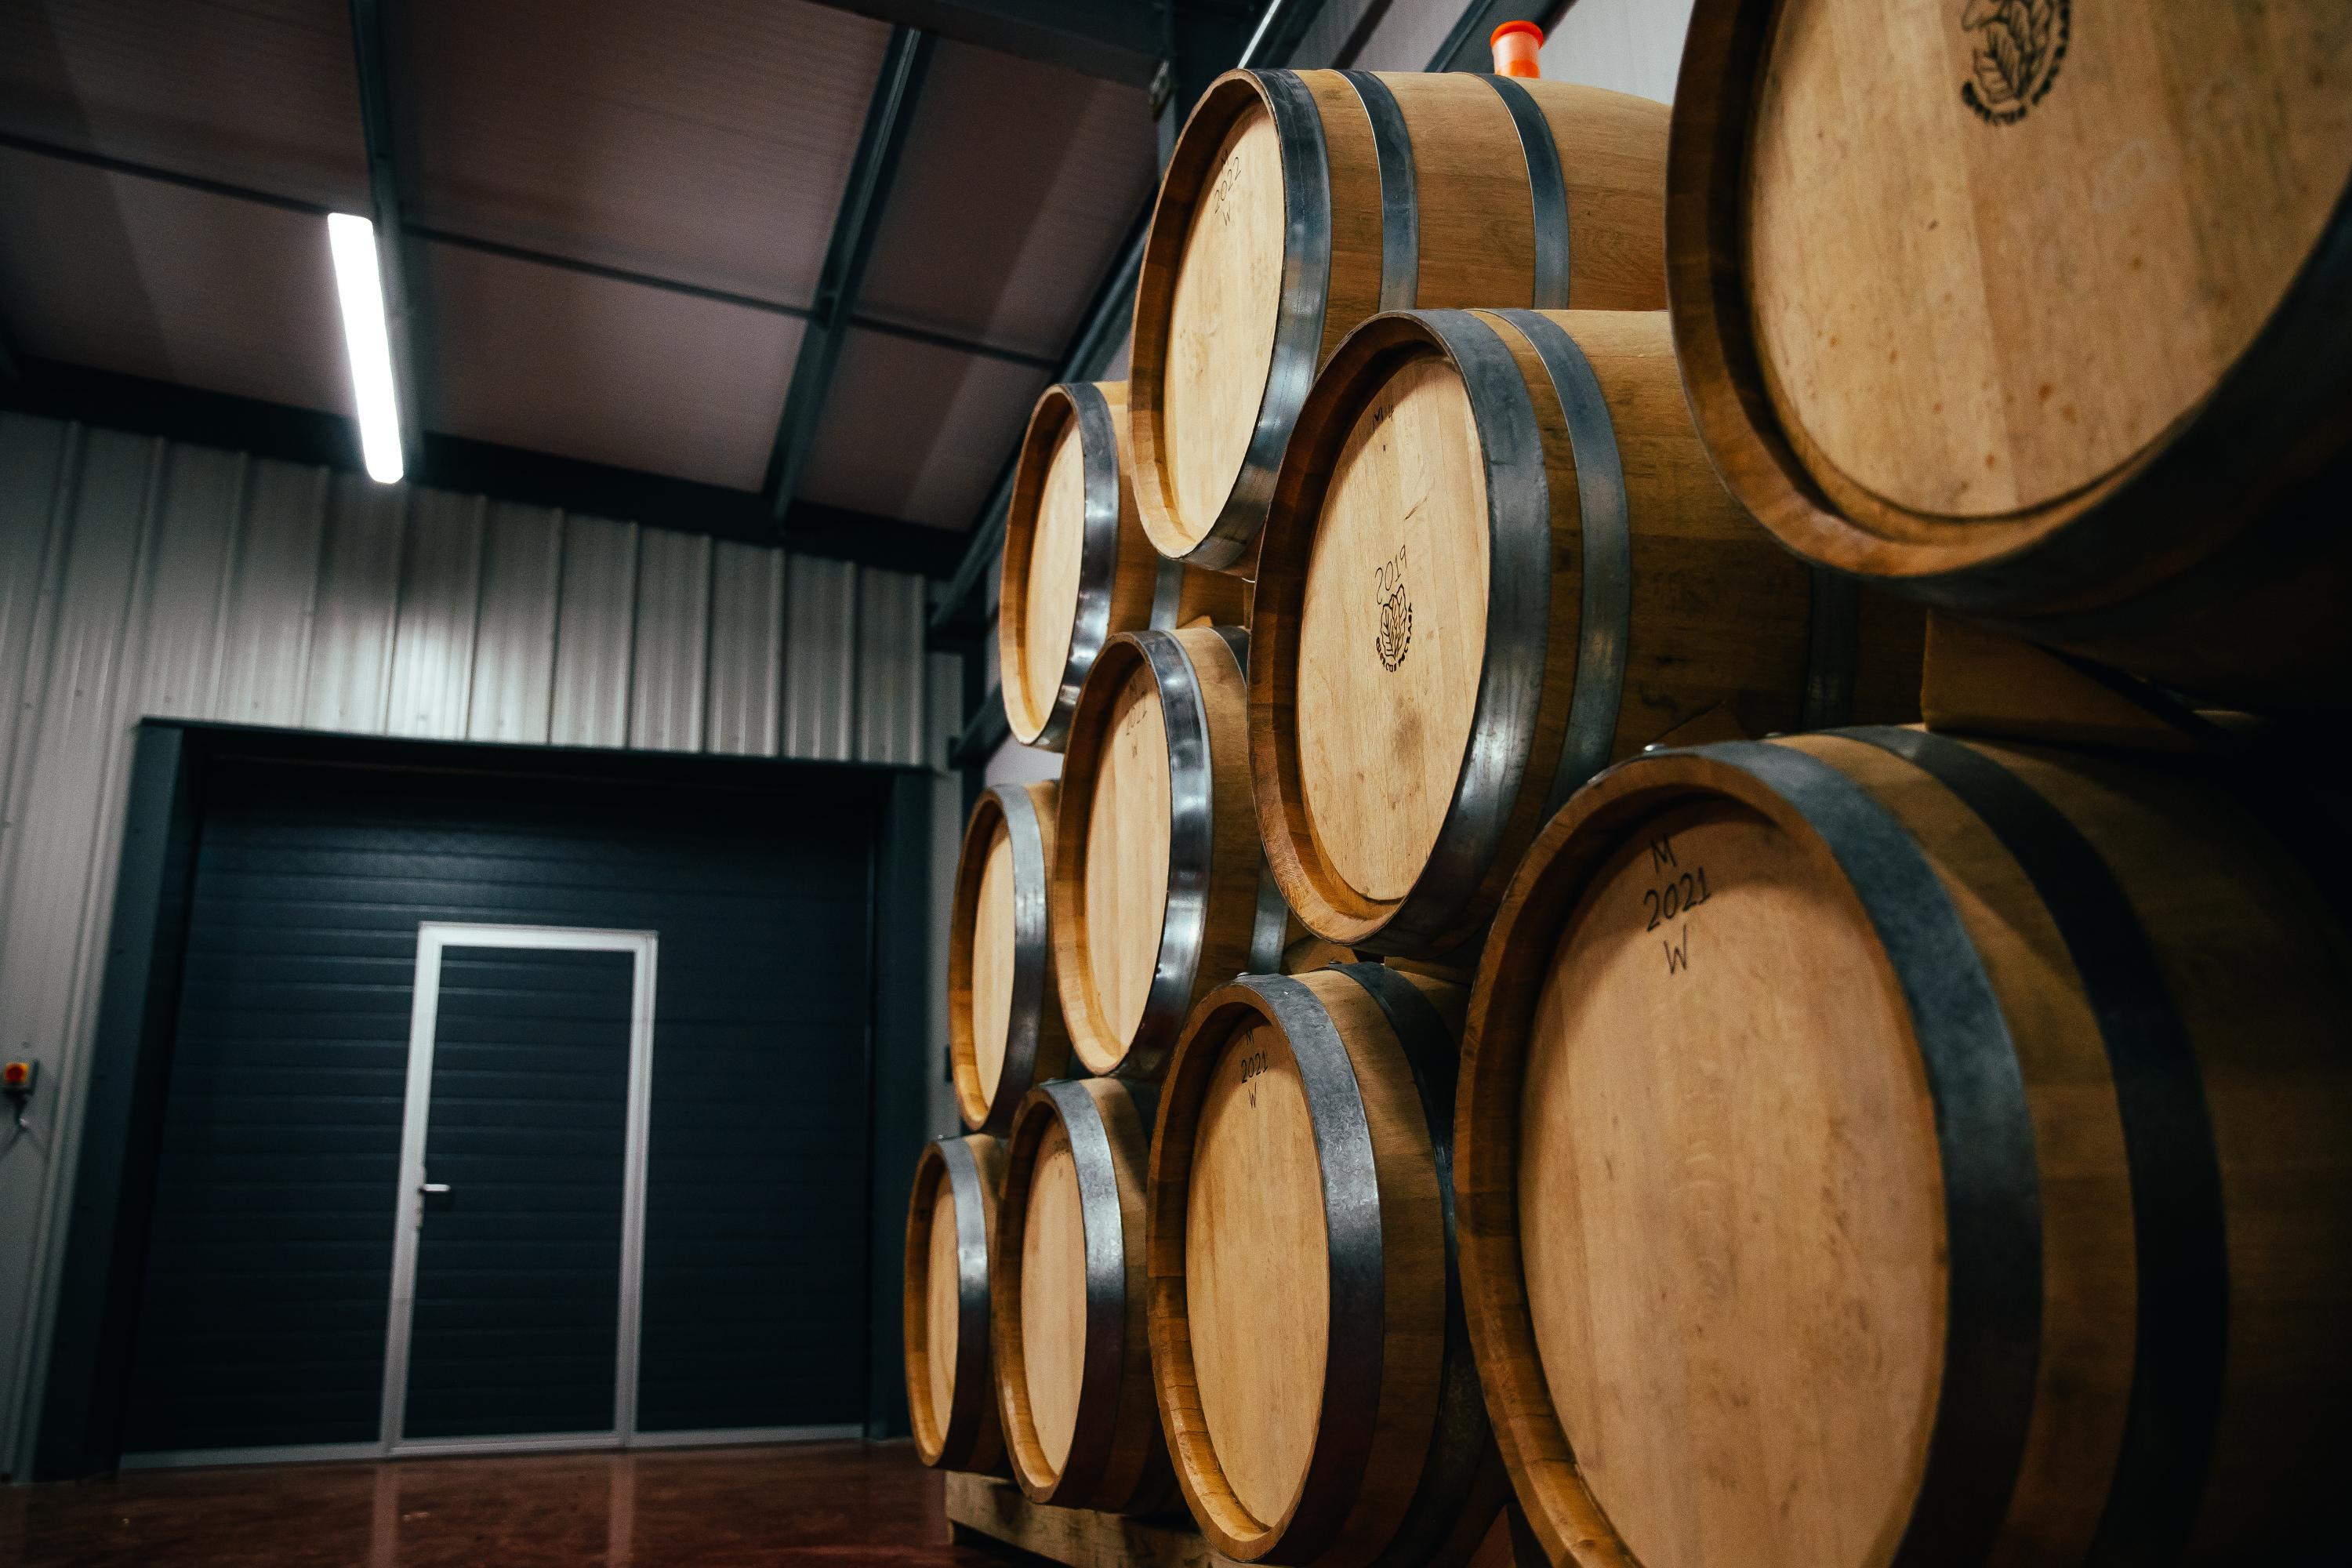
{"type": "Point", "coordinates": [673, 641]}
{"type": "Point", "coordinates": [187, 582]}
{"type": "Point", "coordinates": [265, 638]}
{"type": "Point", "coordinates": [820, 659]}
{"type": "Point", "coordinates": [358, 606]}
{"type": "Point", "coordinates": [139, 578]}
{"type": "Point", "coordinates": [595, 619]}
{"type": "Point", "coordinates": [514, 639]}
{"type": "Point", "coordinates": [63, 825]}
{"type": "Point", "coordinates": [1633, 45]}
{"type": "Point", "coordinates": [440, 597]}
{"type": "Point", "coordinates": [745, 706]}
{"type": "Point", "coordinates": [889, 668]}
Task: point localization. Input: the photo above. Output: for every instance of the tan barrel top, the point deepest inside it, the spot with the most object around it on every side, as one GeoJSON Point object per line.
{"type": "Point", "coordinates": [1392, 630]}
{"type": "Point", "coordinates": [1050, 597]}
{"type": "Point", "coordinates": [1221, 316]}
{"type": "Point", "coordinates": [993, 943]}
{"type": "Point", "coordinates": [1706, 1266]}
{"type": "Point", "coordinates": [942, 1302]}
{"type": "Point", "coordinates": [1256, 1258]}
{"type": "Point", "coordinates": [1994, 251]}
{"type": "Point", "coordinates": [1127, 850]}
{"type": "Point", "coordinates": [1053, 1295]}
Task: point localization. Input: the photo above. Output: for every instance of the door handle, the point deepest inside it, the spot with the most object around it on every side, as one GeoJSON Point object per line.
{"type": "Point", "coordinates": [433, 1189]}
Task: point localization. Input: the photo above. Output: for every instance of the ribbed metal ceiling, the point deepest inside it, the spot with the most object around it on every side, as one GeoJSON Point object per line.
{"type": "Point", "coordinates": [618, 213]}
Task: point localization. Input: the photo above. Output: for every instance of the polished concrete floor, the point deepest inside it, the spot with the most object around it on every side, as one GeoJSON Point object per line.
{"type": "Point", "coordinates": [841, 1504]}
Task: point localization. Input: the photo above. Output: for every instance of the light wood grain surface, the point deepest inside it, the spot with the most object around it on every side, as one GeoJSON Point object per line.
{"type": "Point", "coordinates": [1052, 596]}
{"type": "Point", "coordinates": [1359, 740]}
{"type": "Point", "coordinates": [1392, 633]}
{"type": "Point", "coordinates": [985, 953]}
{"type": "Point", "coordinates": [1255, 1272]}
{"type": "Point", "coordinates": [1228, 290]}
{"type": "Point", "coordinates": [1053, 1295]}
{"type": "Point", "coordinates": [1207, 302]}
{"type": "Point", "coordinates": [953, 1418]}
{"type": "Point", "coordinates": [1702, 1186]}
{"type": "Point", "coordinates": [942, 1309]}
{"type": "Point", "coordinates": [1126, 855]}
{"type": "Point", "coordinates": [992, 948]}
{"type": "Point", "coordinates": [1713, 1246]}
{"type": "Point", "coordinates": [1967, 319]}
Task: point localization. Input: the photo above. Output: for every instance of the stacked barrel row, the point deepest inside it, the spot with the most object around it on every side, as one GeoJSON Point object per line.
{"type": "Point", "coordinates": [1551, 1029]}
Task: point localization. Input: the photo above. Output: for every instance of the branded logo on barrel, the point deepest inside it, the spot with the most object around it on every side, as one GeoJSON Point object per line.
{"type": "Point", "coordinates": [2016, 46]}
{"type": "Point", "coordinates": [1395, 634]}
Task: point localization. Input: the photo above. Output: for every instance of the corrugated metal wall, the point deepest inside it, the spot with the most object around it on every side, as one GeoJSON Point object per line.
{"type": "Point", "coordinates": [140, 577]}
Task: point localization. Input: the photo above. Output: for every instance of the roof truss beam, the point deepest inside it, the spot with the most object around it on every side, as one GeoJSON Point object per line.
{"type": "Point", "coordinates": [405, 322]}
{"type": "Point", "coordinates": [1119, 40]}
{"type": "Point", "coordinates": [888, 115]}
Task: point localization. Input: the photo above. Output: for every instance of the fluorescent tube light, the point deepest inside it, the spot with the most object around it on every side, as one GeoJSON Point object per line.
{"type": "Point", "coordinates": [358, 285]}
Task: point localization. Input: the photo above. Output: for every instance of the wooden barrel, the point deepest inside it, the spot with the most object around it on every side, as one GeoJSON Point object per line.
{"type": "Point", "coordinates": [1308, 1337]}
{"type": "Point", "coordinates": [950, 1383]}
{"type": "Point", "coordinates": [1073, 1355]}
{"type": "Point", "coordinates": [1078, 565]}
{"type": "Point", "coordinates": [1496, 563]}
{"type": "Point", "coordinates": [1005, 1012]}
{"type": "Point", "coordinates": [2040, 318]}
{"type": "Point", "coordinates": [1299, 202]}
{"type": "Point", "coordinates": [1157, 887]}
{"type": "Point", "coordinates": [1878, 1147]}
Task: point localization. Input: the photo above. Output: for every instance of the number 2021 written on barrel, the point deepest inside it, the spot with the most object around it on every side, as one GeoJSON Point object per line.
{"type": "Point", "coordinates": [1684, 889]}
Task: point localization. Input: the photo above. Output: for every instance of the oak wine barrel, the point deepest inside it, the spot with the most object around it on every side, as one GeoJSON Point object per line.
{"type": "Point", "coordinates": [1878, 1147]}
{"type": "Point", "coordinates": [950, 1382]}
{"type": "Point", "coordinates": [1073, 1355]}
{"type": "Point", "coordinates": [1078, 565]}
{"type": "Point", "coordinates": [1498, 562]}
{"type": "Point", "coordinates": [1309, 1344]}
{"type": "Point", "coordinates": [1299, 202]}
{"type": "Point", "coordinates": [2039, 317]}
{"type": "Point", "coordinates": [1158, 889]}
{"type": "Point", "coordinates": [1005, 1012]}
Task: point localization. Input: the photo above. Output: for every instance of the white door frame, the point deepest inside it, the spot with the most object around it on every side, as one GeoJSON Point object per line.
{"type": "Point", "coordinates": [433, 939]}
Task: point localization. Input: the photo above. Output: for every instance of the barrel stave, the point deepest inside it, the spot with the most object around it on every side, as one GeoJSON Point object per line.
{"type": "Point", "coordinates": [945, 1300]}
{"type": "Point", "coordinates": [2105, 910]}
{"type": "Point", "coordinates": [1079, 1418]}
{"type": "Point", "coordinates": [1004, 1013]}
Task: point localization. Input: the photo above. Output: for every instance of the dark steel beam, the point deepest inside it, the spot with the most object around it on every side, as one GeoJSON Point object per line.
{"type": "Point", "coordinates": [404, 321]}
{"type": "Point", "coordinates": [118, 401]}
{"type": "Point", "coordinates": [424, 233]}
{"type": "Point", "coordinates": [1115, 39]}
{"type": "Point", "coordinates": [888, 114]}
{"type": "Point", "coordinates": [962, 609]}
{"type": "Point", "coordinates": [12, 367]}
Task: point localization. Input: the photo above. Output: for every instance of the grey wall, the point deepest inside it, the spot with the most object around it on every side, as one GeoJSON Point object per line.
{"type": "Point", "coordinates": [142, 577]}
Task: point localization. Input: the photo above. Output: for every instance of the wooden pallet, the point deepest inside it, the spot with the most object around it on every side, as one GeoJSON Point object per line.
{"type": "Point", "coordinates": [985, 1511]}
{"type": "Point", "coordinates": [995, 1510]}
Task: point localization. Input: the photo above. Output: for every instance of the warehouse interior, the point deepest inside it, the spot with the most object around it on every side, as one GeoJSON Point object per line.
{"type": "Point", "coordinates": [602, 959]}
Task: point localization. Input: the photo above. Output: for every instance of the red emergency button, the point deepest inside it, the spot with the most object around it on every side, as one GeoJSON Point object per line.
{"type": "Point", "coordinates": [16, 1075]}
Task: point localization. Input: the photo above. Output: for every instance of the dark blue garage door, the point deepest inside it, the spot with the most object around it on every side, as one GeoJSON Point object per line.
{"type": "Point", "coordinates": [268, 1279]}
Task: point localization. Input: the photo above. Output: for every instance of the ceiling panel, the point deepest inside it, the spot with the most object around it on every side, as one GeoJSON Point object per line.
{"type": "Point", "coordinates": [254, 93]}
{"type": "Point", "coordinates": [582, 366]}
{"type": "Point", "coordinates": [915, 431]}
{"type": "Point", "coordinates": [130, 275]}
{"type": "Point", "coordinates": [707, 140]}
{"type": "Point", "coordinates": [1018, 183]}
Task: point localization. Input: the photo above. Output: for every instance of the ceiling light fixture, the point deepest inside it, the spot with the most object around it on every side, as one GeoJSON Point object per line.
{"type": "Point", "coordinates": [359, 286]}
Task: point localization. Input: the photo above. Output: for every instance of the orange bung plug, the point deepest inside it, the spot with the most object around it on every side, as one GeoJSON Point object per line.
{"type": "Point", "coordinates": [1515, 45]}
